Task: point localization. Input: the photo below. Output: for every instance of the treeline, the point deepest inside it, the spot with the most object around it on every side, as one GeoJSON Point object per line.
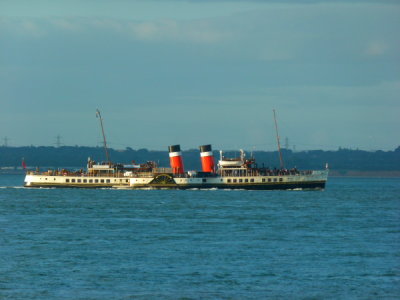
{"type": "Point", "coordinates": [67, 156]}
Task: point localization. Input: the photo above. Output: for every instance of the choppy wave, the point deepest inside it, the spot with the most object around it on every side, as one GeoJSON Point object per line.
{"type": "Point", "coordinates": [228, 237]}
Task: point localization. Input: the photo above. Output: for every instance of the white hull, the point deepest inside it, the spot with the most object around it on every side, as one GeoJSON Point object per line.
{"type": "Point", "coordinates": [40, 180]}
{"type": "Point", "coordinates": [316, 179]}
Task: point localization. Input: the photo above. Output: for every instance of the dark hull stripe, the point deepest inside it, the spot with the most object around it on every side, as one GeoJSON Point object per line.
{"type": "Point", "coordinates": [260, 186]}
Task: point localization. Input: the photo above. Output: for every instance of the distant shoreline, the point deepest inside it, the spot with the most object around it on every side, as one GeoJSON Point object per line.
{"type": "Point", "coordinates": [343, 162]}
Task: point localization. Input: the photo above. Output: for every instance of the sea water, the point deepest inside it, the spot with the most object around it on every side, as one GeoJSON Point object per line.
{"type": "Point", "coordinates": [341, 243]}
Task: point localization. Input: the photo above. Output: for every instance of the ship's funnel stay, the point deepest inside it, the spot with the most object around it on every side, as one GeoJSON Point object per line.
{"type": "Point", "coordinates": [207, 158]}
{"type": "Point", "coordinates": [175, 159]}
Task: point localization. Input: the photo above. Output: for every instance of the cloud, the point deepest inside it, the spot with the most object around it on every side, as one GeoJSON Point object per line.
{"type": "Point", "coordinates": [164, 30]}
{"type": "Point", "coordinates": [313, 32]}
{"type": "Point", "coordinates": [27, 27]}
{"type": "Point", "coordinates": [376, 48]}
{"type": "Point", "coordinates": [315, 64]}
{"type": "Point", "coordinates": [282, 44]}
{"type": "Point", "coordinates": [66, 24]}
{"type": "Point", "coordinates": [196, 31]}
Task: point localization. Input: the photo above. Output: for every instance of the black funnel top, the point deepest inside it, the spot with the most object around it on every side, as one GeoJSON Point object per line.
{"type": "Point", "coordinates": [174, 148]}
{"type": "Point", "coordinates": [205, 148]}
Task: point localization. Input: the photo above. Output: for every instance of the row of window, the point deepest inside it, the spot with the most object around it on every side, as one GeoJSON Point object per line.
{"type": "Point", "coordinates": [252, 180]}
{"type": "Point", "coordinates": [73, 180]}
{"type": "Point", "coordinates": [204, 180]}
{"type": "Point", "coordinates": [246, 180]}
{"type": "Point", "coordinates": [235, 180]}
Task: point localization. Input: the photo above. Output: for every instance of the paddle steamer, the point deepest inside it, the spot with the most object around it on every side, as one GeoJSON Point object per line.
{"type": "Point", "coordinates": [229, 173]}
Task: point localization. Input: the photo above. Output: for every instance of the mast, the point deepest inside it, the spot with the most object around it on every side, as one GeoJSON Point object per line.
{"type": "Point", "coordinates": [279, 144]}
{"type": "Point", "coordinates": [98, 115]}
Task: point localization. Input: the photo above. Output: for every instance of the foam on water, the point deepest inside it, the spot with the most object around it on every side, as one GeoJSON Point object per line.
{"type": "Point", "coordinates": [12, 187]}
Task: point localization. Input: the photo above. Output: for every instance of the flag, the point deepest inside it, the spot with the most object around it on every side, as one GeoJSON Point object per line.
{"type": "Point", "coordinates": [23, 164]}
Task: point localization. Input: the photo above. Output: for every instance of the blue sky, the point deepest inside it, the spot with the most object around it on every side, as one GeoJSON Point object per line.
{"type": "Point", "coordinates": [196, 72]}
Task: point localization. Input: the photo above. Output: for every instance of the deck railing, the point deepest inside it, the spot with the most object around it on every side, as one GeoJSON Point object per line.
{"type": "Point", "coordinates": [155, 171]}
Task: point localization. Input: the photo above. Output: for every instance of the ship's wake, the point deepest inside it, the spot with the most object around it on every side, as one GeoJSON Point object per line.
{"type": "Point", "coordinates": [12, 187]}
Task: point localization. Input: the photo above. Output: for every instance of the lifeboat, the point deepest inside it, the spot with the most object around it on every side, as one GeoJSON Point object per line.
{"type": "Point", "coordinates": [234, 162]}
{"type": "Point", "coordinates": [230, 163]}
